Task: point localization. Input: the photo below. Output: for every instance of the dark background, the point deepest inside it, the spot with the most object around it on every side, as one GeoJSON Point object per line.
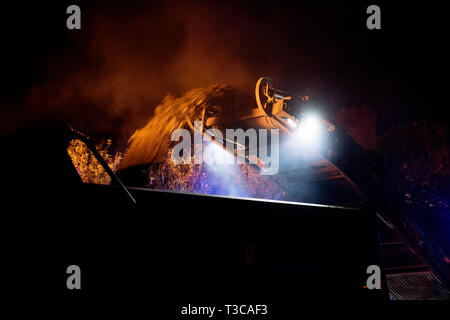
{"type": "Point", "coordinates": [107, 77]}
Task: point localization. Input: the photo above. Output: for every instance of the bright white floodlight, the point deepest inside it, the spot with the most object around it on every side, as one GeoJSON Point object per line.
{"type": "Point", "coordinates": [309, 130]}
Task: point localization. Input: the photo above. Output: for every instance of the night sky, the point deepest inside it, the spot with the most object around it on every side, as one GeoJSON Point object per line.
{"type": "Point", "coordinates": [108, 76]}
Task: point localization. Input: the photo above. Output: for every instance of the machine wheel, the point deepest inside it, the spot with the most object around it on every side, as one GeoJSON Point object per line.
{"type": "Point", "coordinates": [264, 95]}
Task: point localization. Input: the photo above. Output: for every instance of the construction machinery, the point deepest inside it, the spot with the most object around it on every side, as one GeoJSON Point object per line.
{"type": "Point", "coordinates": [170, 246]}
